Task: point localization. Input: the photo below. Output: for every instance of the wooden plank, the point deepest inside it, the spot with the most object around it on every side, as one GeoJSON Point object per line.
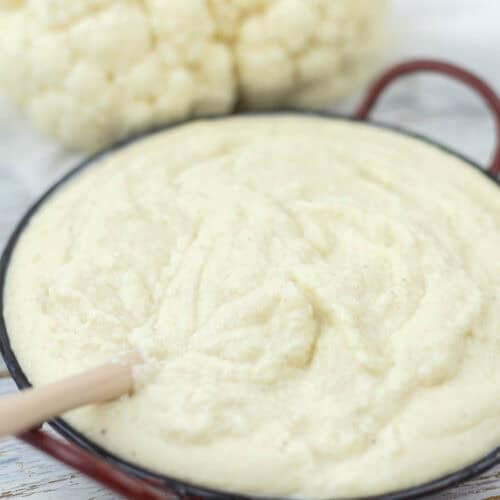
{"type": "Point", "coordinates": [25, 472]}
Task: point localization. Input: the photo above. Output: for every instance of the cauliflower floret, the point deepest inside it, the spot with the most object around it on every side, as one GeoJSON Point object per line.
{"type": "Point", "coordinates": [90, 72]}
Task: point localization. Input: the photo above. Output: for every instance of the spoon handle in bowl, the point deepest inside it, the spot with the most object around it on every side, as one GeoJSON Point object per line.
{"type": "Point", "coordinates": [31, 407]}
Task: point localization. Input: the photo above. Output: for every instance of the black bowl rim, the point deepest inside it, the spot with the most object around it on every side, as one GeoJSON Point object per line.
{"type": "Point", "coordinates": [178, 486]}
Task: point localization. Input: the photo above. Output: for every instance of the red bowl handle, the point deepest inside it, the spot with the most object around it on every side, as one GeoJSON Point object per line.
{"type": "Point", "coordinates": [97, 468]}
{"type": "Point", "coordinates": [428, 65]}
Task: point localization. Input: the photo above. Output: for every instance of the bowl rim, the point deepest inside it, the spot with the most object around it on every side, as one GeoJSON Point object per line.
{"type": "Point", "coordinates": [179, 486]}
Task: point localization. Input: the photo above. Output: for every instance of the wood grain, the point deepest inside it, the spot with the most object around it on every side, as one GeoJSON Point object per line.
{"type": "Point", "coordinates": [25, 472]}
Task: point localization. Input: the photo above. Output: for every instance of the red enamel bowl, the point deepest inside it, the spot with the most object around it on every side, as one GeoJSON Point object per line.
{"type": "Point", "coordinates": [133, 481]}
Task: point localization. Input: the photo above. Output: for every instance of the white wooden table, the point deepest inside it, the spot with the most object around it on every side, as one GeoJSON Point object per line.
{"type": "Point", "coordinates": [463, 31]}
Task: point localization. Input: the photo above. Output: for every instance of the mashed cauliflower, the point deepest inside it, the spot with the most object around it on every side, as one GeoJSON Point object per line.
{"type": "Point", "coordinates": [318, 302]}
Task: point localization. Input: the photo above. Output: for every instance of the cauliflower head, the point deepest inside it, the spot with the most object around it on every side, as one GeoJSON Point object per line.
{"type": "Point", "coordinates": [90, 72]}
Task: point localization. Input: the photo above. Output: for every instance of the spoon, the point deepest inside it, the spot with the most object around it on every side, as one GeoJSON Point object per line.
{"type": "Point", "coordinates": [31, 407]}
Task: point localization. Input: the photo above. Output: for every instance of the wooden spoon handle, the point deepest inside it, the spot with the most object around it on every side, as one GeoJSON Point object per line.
{"type": "Point", "coordinates": [31, 407]}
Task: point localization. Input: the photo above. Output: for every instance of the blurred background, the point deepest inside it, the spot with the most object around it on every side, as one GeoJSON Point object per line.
{"type": "Point", "coordinates": [465, 32]}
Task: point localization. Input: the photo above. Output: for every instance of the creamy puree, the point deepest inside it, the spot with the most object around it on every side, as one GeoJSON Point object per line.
{"type": "Point", "coordinates": [318, 301]}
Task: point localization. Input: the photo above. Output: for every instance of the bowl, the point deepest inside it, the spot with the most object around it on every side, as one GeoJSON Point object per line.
{"type": "Point", "coordinates": [137, 482]}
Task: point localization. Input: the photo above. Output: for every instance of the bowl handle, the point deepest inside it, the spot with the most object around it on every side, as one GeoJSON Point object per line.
{"type": "Point", "coordinates": [97, 468]}
{"type": "Point", "coordinates": [429, 65]}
